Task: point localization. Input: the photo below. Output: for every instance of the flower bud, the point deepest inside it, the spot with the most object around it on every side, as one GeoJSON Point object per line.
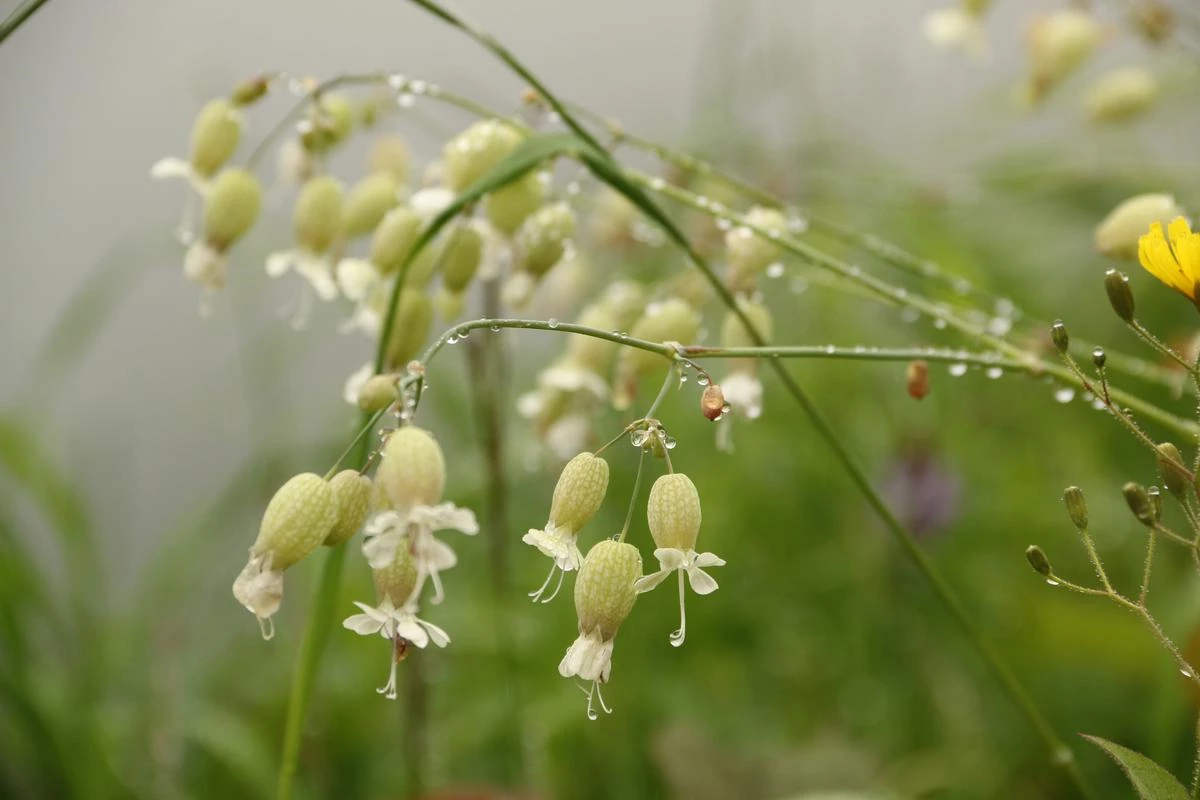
{"type": "Point", "coordinates": [750, 252]}
{"type": "Point", "coordinates": [1076, 507]}
{"type": "Point", "coordinates": [1058, 43]}
{"type": "Point", "coordinates": [1175, 476]}
{"type": "Point", "coordinates": [544, 237]}
{"type": "Point", "coordinates": [461, 257]}
{"type": "Point", "coordinates": [604, 593]}
{"type": "Point", "coordinates": [231, 208]}
{"type": "Point", "coordinates": [1120, 296]}
{"type": "Point", "coordinates": [353, 494]}
{"type": "Point", "coordinates": [471, 154]}
{"type": "Point", "coordinates": [673, 512]}
{"type": "Point", "coordinates": [215, 135]}
{"type": "Point", "coordinates": [250, 90]}
{"type": "Point", "coordinates": [377, 393]}
{"type": "Point", "coordinates": [510, 205]}
{"type": "Point", "coordinates": [412, 470]}
{"type": "Point", "coordinates": [414, 316]}
{"type": "Point", "coordinates": [390, 156]}
{"type": "Point", "coordinates": [296, 521]}
{"type": "Point", "coordinates": [712, 402]}
{"type": "Point", "coordinates": [579, 492]}
{"type": "Point", "coordinates": [337, 116]}
{"type": "Point", "coordinates": [1037, 559]}
{"type": "Point", "coordinates": [397, 580]}
{"type": "Point", "coordinates": [1099, 358]}
{"type": "Point", "coordinates": [1122, 94]}
{"type": "Point", "coordinates": [1117, 235]}
{"type": "Point", "coordinates": [368, 202]}
{"type": "Point", "coordinates": [317, 217]}
{"type": "Point", "coordinates": [1139, 503]}
{"type": "Point", "coordinates": [1058, 335]}
{"type": "Point", "coordinates": [394, 239]}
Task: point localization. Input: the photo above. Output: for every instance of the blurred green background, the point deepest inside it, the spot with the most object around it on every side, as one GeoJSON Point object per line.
{"type": "Point", "coordinates": [138, 444]}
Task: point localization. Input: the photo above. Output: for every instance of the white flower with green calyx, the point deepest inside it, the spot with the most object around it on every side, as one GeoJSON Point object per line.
{"type": "Point", "coordinates": [215, 135]}
{"type": "Point", "coordinates": [412, 474]}
{"type": "Point", "coordinates": [397, 587]}
{"type": "Point", "coordinates": [604, 596]}
{"type": "Point", "coordinates": [230, 209]}
{"type": "Point", "coordinates": [317, 220]}
{"type": "Point", "coordinates": [673, 512]}
{"type": "Point", "coordinates": [298, 520]}
{"type": "Point", "coordinates": [577, 497]}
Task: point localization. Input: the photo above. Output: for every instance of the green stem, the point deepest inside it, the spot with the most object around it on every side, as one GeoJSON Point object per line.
{"type": "Point", "coordinates": [637, 484]}
{"type": "Point", "coordinates": [18, 17]}
{"type": "Point", "coordinates": [670, 380]}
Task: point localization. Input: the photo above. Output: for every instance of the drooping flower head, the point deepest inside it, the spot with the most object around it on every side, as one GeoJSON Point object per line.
{"type": "Point", "coordinates": [604, 596]}
{"type": "Point", "coordinates": [673, 513]}
{"type": "Point", "coordinates": [230, 209]}
{"type": "Point", "coordinates": [577, 497]}
{"type": "Point", "coordinates": [316, 221]}
{"type": "Point", "coordinates": [215, 135]}
{"type": "Point", "coordinates": [1173, 257]}
{"type": "Point", "coordinates": [395, 615]}
{"type": "Point", "coordinates": [297, 520]}
{"type": "Point", "coordinates": [541, 243]}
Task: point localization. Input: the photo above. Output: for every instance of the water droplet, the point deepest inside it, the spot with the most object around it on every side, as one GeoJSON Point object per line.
{"type": "Point", "coordinates": [592, 714]}
{"type": "Point", "coordinates": [702, 380]}
{"type": "Point", "coordinates": [1187, 672]}
{"type": "Point", "coordinates": [994, 372]}
{"type": "Point", "coordinates": [658, 184]}
{"type": "Point", "coordinates": [723, 224]}
{"type": "Point", "coordinates": [958, 369]}
{"type": "Point", "coordinates": [1098, 404]}
{"type": "Point", "coordinates": [1064, 395]}
{"type": "Point", "coordinates": [775, 270]}
{"type": "Point", "coordinates": [495, 329]}
{"type": "Point", "coordinates": [999, 326]}
{"type": "Point", "coordinates": [669, 442]}
{"type": "Point", "coordinates": [939, 323]}
{"type": "Point", "coordinates": [464, 333]}
{"type": "Point", "coordinates": [552, 322]}
{"type": "Point", "coordinates": [683, 378]}
{"type": "Point", "coordinates": [453, 339]}
{"type": "Point", "coordinates": [1052, 582]}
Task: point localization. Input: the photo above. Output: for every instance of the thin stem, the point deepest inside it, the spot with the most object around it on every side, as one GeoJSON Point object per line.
{"type": "Point", "coordinates": [637, 483]}
{"type": "Point", "coordinates": [1173, 536]}
{"type": "Point", "coordinates": [18, 17]}
{"type": "Point", "coordinates": [1094, 557]}
{"type": "Point", "coordinates": [1162, 347]}
{"type": "Point", "coordinates": [1185, 668]}
{"type": "Point", "coordinates": [1196, 764]}
{"type": "Point", "coordinates": [668, 382]}
{"type": "Point", "coordinates": [1058, 581]}
{"type": "Point", "coordinates": [1147, 567]}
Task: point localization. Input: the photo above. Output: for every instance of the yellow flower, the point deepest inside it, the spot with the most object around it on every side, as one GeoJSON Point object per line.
{"type": "Point", "coordinates": [1173, 257]}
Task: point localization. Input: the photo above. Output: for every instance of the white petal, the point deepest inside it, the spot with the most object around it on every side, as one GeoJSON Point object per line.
{"type": "Point", "coordinates": [449, 517]}
{"type": "Point", "coordinates": [355, 383]}
{"type": "Point", "coordinates": [552, 542]}
{"type": "Point", "coordinates": [708, 560]}
{"type": "Point", "coordinates": [648, 582]}
{"type": "Point", "coordinates": [408, 628]}
{"type": "Point", "coordinates": [317, 270]}
{"type": "Point", "coordinates": [569, 435]}
{"type": "Point", "coordinates": [434, 555]}
{"type": "Point", "coordinates": [204, 265]}
{"type": "Point", "coordinates": [436, 635]}
{"type": "Point", "coordinates": [431, 201]}
{"type": "Point", "coordinates": [279, 263]}
{"type": "Point", "coordinates": [530, 404]}
{"type": "Point", "coordinates": [384, 522]}
{"type": "Point", "coordinates": [171, 168]}
{"type": "Point", "coordinates": [670, 558]}
{"type": "Point", "coordinates": [357, 278]}
{"type": "Point", "coordinates": [362, 624]}
{"type": "Point", "coordinates": [743, 391]}
{"type": "Point", "coordinates": [701, 581]}
{"type": "Point", "coordinates": [380, 551]}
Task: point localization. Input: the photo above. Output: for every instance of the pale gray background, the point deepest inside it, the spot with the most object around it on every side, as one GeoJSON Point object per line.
{"type": "Point", "coordinates": [93, 91]}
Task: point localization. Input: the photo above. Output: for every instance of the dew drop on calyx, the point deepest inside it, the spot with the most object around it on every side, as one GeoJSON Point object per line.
{"type": "Point", "coordinates": [1052, 582]}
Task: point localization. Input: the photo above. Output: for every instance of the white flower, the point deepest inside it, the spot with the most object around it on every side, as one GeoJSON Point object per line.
{"type": "Point", "coordinates": [743, 392]}
{"type": "Point", "coordinates": [956, 29]}
{"type": "Point", "coordinates": [385, 531]}
{"type": "Point", "coordinates": [172, 168]}
{"type": "Point", "coordinates": [260, 589]}
{"type": "Point", "coordinates": [399, 625]}
{"type": "Point", "coordinates": [355, 383]}
{"type": "Point", "coordinates": [685, 562]}
{"type": "Point", "coordinates": [295, 164]}
{"type": "Point", "coordinates": [362, 284]}
{"type": "Point", "coordinates": [590, 658]}
{"type": "Point", "coordinates": [430, 201]}
{"type": "Point", "coordinates": [316, 269]}
{"type": "Point", "coordinates": [558, 543]}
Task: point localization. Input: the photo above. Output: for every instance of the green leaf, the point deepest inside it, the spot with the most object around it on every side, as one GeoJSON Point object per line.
{"type": "Point", "coordinates": [532, 153]}
{"type": "Point", "coordinates": [1151, 781]}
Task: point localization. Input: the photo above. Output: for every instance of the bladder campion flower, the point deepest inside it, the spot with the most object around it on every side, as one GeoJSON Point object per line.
{"type": "Point", "coordinates": [215, 135]}
{"type": "Point", "coordinates": [673, 512]}
{"type": "Point", "coordinates": [230, 209]}
{"type": "Point", "coordinates": [397, 587]}
{"type": "Point", "coordinates": [353, 493]}
{"type": "Point", "coordinates": [1173, 257]}
{"type": "Point", "coordinates": [412, 474]}
{"type": "Point", "coordinates": [604, 596]}
{"type": "Point", "coordinates": [577, 497]}
{"type": "Point", "coordinates": [316, 221]}
{"type": "Point", "coordinates": [297, 521]}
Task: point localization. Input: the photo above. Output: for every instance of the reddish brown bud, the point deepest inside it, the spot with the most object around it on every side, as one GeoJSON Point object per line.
{"type": "Point", "coordinates": [917, 377]}
{"type": "Point", "coordinates": [712, 402]}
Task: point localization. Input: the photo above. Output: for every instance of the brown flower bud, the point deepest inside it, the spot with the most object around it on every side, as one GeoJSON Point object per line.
{"type": "Point", "coordinates": [712, 402]}
{"type": "Point", "coordinates": [917, 379]}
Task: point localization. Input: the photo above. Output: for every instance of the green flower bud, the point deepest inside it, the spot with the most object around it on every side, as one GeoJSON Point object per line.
{"type": "Point", "coordinates": [231, 208]}
{"type": "Point", "coordinates": [461, 257]}
{"type": "Point", "coordinates": [1076, 507]}
{"type": "Point", "coordinates": [1139, 503]}
{"type": "Point", "coordinates": [1117, 235]}
{"type": "Point", "coordinates": [337, 113]}
{"type": "Point", "coordinates": [1120, 296]}
{"type": "Point", "coordinates": [377, 393]}
{"type": "Point", "coordinates": [414, 315]}
{"type": "Point", "coordinates": [215, 135]}
{"type": "Point", "coordinates": [544, 237]}
{"type": "Point", "coordinates": [250, 90]}
{"type": "Point", "coordinates": [396, 581]}
{"type": "Point", "coordinates": [368, 202]}
{"type": "Point", "coordinates": [394, 239]}
{"type": "Point", "coordinates": [749, 253]}
{"type": "Point", "coordinates": [673, 512]}
{"type": "Point", "coordinates": [412, 470]}
{"type": "Point", "coordinates": [390, 155]}
{"type": "Point", "coordinates": [510, 205]}
{"type": "Point", "coordinates": [474, 152]}
{"type": "Point", "coordinates": [353, 494]}
{"type": "Point", "coordinates": [297, 520]}
{"type": "Point", "coordinates": [1037, 559]}
{"type": "Point", "coordinates": [579, 492]}
{"type": "Point", "coordinates": [1059, 337]}
{"type": "Point", "coordinates": [1122, 94]}
{"type": "Point", "coordinates": [604, 593]}
{"type": "Point", "coordinates": [1175, 476]}
{"type": "Point", "coordinates": [317, 217]}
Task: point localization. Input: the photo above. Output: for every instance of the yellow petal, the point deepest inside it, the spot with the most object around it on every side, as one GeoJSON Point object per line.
{"type": "Point", "coordinates": [1155, 255]}
{"type": "Point", "coordinates": [1186, 247]}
